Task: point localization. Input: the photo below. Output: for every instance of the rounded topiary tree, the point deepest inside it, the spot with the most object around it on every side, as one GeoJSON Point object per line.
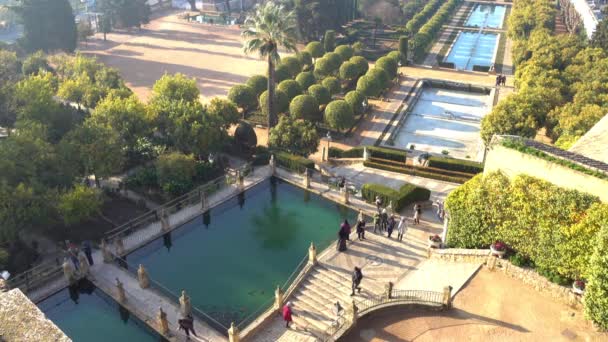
{"type": "Point", "coordinates": [305, 59]}
{"type": "Point", "coordinates": [361, 63]}
{"type": "Point", "coordinates": [349, 71]}
{"type": "Point", "coordinates": [333, 85]}
{"type": "Point", "coordinates": [291, 88]}
{"type": "Point", "coordinates": [245, 136]}
{"type": "Point", "coordinates": [323, 68]}
{"type": "Point", "coordinates": [396, 55]}
{"type": "Point", "coordinates": [258, 83]}
{"type": "Point", "coordinates": [355, 99]}
{"type": "Point", "coordinates": [305, 107]}
{"type": "Point", "coordinates": [345, 51]}
{"type": "Point", "coordinates": [315, 49]}
{"type": "Point", "coordinates": [368, 86]}
{"type": "Point", "coordinates": [281, 73]}
{"type": "Point", "coordinates": [358, 48]}
{"type": "Point", "coordinates": [596, 292]}
{"type": "Point", "coordinates": [306, 79]}
{"type": "Point", "coordinates": [329, 41]}
{"type": "Point", "coordinates": [339, 115]}
{"type": "Point", "coordinates": [334, 59]}
{"type": "Point", "coordinates": [243, 96]}
{"type": "Point", "coordinates": [293, 64]}
{"type": "Point", "coordinates": [320, 93]}
{"type": "Point", "coordinates": [389, 65]}
{"type": "Point", "coordinates": [380, 75]}
{"type": "Point", "coordinates": [280, 101]}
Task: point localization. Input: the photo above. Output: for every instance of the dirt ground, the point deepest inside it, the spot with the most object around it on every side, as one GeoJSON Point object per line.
{"type": "Point", "coordinates": [212, 54]}
{"type": "Point", "coordinates": [492, 307]}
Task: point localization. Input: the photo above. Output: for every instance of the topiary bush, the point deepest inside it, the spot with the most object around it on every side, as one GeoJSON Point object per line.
{"type": "Point", "coordinates": [293, 64]}
{"type": "Point", "coordinates": [291, 88]}
{"type": "Point", "coordinates": [243, 96]}
{"type": "Point", "coordinates": [339, 115]}
{"type": "Point", "coordinates": [323, 68]}
{"type": "Point", "coordinates": [381, 76]}
{"type": "Point", "coordinates": [345, 51]}
{"type": "Point", "coordinates": [369, 86]}
{"type": "Point", "coordinates": [407, 194]}
{"type": "Point", "coordinates": [306, 79]}
{"type": "Point", "coordinates": [245, 136]}
{"type": "Point", "coordinates": [333, 85]}
{"type": "Point", "coordinates": [389, 65]}
{"type": "Point", "coordinates": [280, 101]}
{"type": "Point", "coordinates": [329, 41]}
{"type": "Point", "coordinates": [320, 93]}
{"type": "Point", "coordinates": [349, 71]}
{"type": "Point", "coordinates": [361, 63]}
{"type": "Point", "coordinates": [396, 55]}
{"type": "Point", "coordinates": [403, 44]}
{"type": "Point", "coordinates": [293, 162]}
{"type": "Point", "coordinates": [334, 59]}
{"type": "Point", "coordinates": [258, 83]}
{"type": "Point", "coordinates": [315, 49]}
{"type": "Point", "coordinates": [281, 73]}
{"type": "Point", "coordinates": [305, 59]}
{"type": "Point", "coordinates": [355, 99]}
{"type": "Point", "coordinates": [305, 107]}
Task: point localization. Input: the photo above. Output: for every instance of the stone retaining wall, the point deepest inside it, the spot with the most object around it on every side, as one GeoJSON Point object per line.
{"type": "Point", "coordinates": [527, 275]}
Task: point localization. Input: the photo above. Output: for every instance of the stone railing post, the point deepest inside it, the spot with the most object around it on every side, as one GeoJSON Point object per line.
{"type": "Point", "coordinates": [107, 256]}
{"type": "Point", "coordinates": [240, 181]}
{"type": "Point", "coordinates": [120, 246]}
{"type": "Point", "coordinates": [306, 182]}
{"type": "Point", "coordinates": [353, 312]}
{"type": "Point", "coordinates": [278, 298]}
{"type": "Point", "coordinates": [142, 276]}
{"type": "Point", "coordinates": [447, 297]}
{"type": "Point", "coordinates": [365, 154]}
{"type": "Point", "coordinates": [312, 254]}
{"type": "Point", "coordinates": [388, 290]}
{"type": "Point", "coordinates": [204, 203]}
{"type": "Point", "coordinates": [273, 165]}
{"type": "Point", "coordinates": [68, 271]}
{"type": "Point", "coordinates": [165, 226]}
{"type": "Point", "coordinates": [163, 323]}
{"type": "Point", "coordinates": [84, 265]}
{"type": "Point", "coordinates": [184, 304]}
{"type": "Point", "coordinates": [346, 195]}
{"type": "Point", "coordinates": [120, 291]}
{"type": "Point", "coordinates": [233, 333]}
{"type": "Point", "coordinates": [491, 262]}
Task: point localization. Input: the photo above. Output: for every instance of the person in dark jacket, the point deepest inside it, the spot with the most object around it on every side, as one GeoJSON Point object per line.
{"type": "Point", "coordinates": [86, 248]}
{"type": "Point", "coordinates": [391, 226]}
{"type": "Point", "coordinates": [346, 228]}
{"type": "Point", "coordinates": [357, 277]}
{"type": "Point", "coordinates": [343, 236]}
{"type": "Point", "coordinates": [361, 230]}
{"type": "Point", "coordinates": [187, 325]}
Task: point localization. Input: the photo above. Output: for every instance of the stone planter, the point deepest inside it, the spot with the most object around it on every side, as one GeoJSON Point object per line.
{"type": "Point", "coordinates": [577, 290]}
{"type": "Point", "coordinates": [499, 254]}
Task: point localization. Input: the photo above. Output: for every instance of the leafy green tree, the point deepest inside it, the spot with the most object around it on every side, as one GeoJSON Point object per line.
{"type": "Point", "coordinates": [176, 87]}
{"type": "Point", "coordinates": [596, 294]}
{"type": "Point", "coordinates": [35, 63]}
{"type": "Point", "coordinates": [126, 13]}
{"type": "Point", "coordinates": [294, 136]}
{"type": "Point", "coordinates": [355, 99]}
{"type": "Point", "coordinates": [269, 28]}
{"type": "Point", "coordinates": [291, 88]}
{"type": "Point", "coordinates": [244, 97]}
{"type": "Point", "coordinates": [223, 112]}
{"type": "Point", "coordinates": [23, 208]}
{"type": "Point", "coordinates": [403, 44]}
{"type": "Point", "coordinates": [79, 204]}
{"type": "Point", "coordinates": [511, 116]}
{"type": "Point", "coordinates": [315, 49]}
{"type": "Point", "coordinates": [600, 35]}
{"type": "Point", "coordinates": [128, 117]}
{"type": "Point", "coordinates": [306, 79]}
{"type": "Point", "coordinates": [281, 102]}
{"type": "Point", "coordinates": [320, 93]}
{"type": "Point", "coordinates": [194, 130]}
{"type": "Point", "coordinates": [339, 115]}
{"type": "Point", "coordinates": [9, 75]}
{"type": "Point", "coordinates": [305, 107]}
{"type": "Point", "coordinates": [175, 172]}
{"type": "Point", "coordinates": [333, 85]}
{"type": "Point", "coordinates": [258, 83]}
{"type": "Point", "coordinates": [48, 25]}
{"type": "Point", "coordinates": [329, 41]}
{"type": "Point", "coordinates": [84, 31]}
{"type": "Point", "coordinates": [345, 52]}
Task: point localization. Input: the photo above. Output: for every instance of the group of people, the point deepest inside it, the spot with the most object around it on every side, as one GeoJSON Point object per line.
{"type": "Point", "coordinates": [73, 251]}
{"type": "Point", "coordinates": [501, 80]}
{"type": "Point", "coordinates": [440, 210]}
{"type": "Point", "coordinates": [385, 223]}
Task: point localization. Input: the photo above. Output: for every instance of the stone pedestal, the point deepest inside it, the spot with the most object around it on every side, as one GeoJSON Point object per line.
{"type": "Point", "coordinates": [346, 196]}
{"type": "Point", "coordinates": [365, 154]}
{"type": "Point", "coordinates": [120, 246]}
{"type": "Point", "coordinates": [165, 226]}
{"type": "Point", "coordinates": [233, 333]}
{"type": "Point", "coordinates": [388, 290]}
{"type": "Point", "coordinates": [447, 297]}
{"type": "Point", "coordinates": [312, 254]}
{"type": "Point", "coordinates": [120, 292]}
{"type": "Point", "coordinates": [107, 256]}
{"type": "Point", "coordinates": [68, 271]}
{"type": "Point", "coordinates": [353, 313]}
{"type": "Point", "coordinates": [204, 202]}
{"type": "Point", "coordinates": [142, 276]}
{"type": "Point", "coordinates": [491, 262]}
{"type": "Point", "coordinates": [240, 181]}
{"type": "Point", "coordinates": [278, 299]}
{"type": "Point", "coordinates": [84, 265]}
{"type": "Point", "coordinates": [273, 165]}
{"type": "Point", "coordinates": [306, 182]}
{"type": "Point", "coordinates": [184, 304]}
{"type": "Point", "coordinates": [163, 323]}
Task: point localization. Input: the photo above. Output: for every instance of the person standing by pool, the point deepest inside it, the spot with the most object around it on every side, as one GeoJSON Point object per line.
{"type": "Point", "coordinates": [357, 277]}
{"type": "Point", "coordinates": [347, 229]}
{"type": "Point", "coordinates": [361, 229]}
{"type": "Point", "coordinates": [377, 222]}
{"type": "Point", "coordinates": [86, 248]}
{"type": "Point", "coordinates": [287, 314]}
{"type": "Point", "coordinates": [342, 236]}
{"type": "Point", "coordinates": [401, 228]}
{"type": "Point", "coordinates": [187, 325]}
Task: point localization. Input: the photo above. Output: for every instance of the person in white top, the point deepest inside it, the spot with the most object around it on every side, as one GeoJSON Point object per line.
{"type": "Point", "coordinates": [401, 228]}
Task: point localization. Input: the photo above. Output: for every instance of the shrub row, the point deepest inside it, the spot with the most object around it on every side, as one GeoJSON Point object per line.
{"type": "Point", "coordinates": [453, 164]}
{"type": "Point", "coordinates": [407, 194]}
{"type": "Point", "coordinates": [419, 19]}
{"type": "Point", "coordinates": [374, 151]}
{"type": "Point", "coordinates": [416, 171]}
{"type": "Point", "coordinates": [429, 30]}
{"type": "Point", "coordinates": [293, 162]}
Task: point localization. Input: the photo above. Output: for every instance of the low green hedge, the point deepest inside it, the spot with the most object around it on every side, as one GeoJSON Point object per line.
{"type": "Point", "coordinates": [407, 194]}
{"type": "Point", "coordinates": [374, 152]}
{"type": "Point", "coordinates": [293, 162]}
{"type": "Point", "coordinates": [355, 152]}
{"type": "Point", "coordinates": [481, 68]}
{"type": "Point", "coordinates": [458, 165]}
{"type": "Point", "coordinates": [415, 171]}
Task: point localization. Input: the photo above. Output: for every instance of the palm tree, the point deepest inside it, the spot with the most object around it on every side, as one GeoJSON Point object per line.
{"type": "Point", "coordinates": [270, 27]}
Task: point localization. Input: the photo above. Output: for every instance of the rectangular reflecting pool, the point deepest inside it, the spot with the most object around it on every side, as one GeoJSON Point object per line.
{"type": "Point", "coordinates": [85, 313]}
{"type": "Point", "coordinates": [491, 16]}
{"type": "Point", "coordinates": [231, 259]}
{"type": "Point", "coordinates": [473, 48]}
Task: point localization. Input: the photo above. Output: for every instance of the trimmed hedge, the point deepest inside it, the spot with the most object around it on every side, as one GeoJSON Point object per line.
{"type": "Point", "coordinates": [459, 165]}
{"type": "Point", "coordinates": [306, 79]}
{"type": "Point", "coordinates": [407, 194]}
{"type": "Point", "coordinates": [416, 171]}
{"type": "Point", "coordinates": [481, 68]}
{"type": "Point", "coordinates": [355, 152]}
{"type": "Point", "coordinates": [293, 162]}
{"type": "Point", "coordinates": [373, 151]}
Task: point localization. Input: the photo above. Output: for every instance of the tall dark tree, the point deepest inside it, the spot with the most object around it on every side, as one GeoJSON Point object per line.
{"type": "Point", "coordinates": [48, 25]}
{"type": "Point", "coordinates": [600, 36]}
{"type": "Point", "coordinates": [123, 13]}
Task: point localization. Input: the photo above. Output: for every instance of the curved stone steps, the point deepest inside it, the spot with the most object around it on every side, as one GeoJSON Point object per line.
{"type": "Point", "coordinates": [316, 303]}
{"type": "Point", "coordinates": [327, 280]}
{"type": "Point", "coordinates": [370, 284]}
{"type": "Point", "coordinates": [304, 324]}
{"type": "Point", "coordinates": [307, 312]}
{"type": "Point", "coordinates": [329, 290]}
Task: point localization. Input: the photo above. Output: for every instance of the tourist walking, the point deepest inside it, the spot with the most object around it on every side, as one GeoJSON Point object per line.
{"type": "Point", "coordinates": [287, 314]}
{"type": "Point", "coordinates": [338, 312]}
{"type": "Point", "coordinates": [378, 203]}
{"type": "Point", "coordinates": [361, 230]}
{"type": "Point", "coordinates": [417, 213]}
{"type": "Point", "coordinates": [391, 226]}
{"type": "Point", "coordinates": [503, 80]}
{"type": "Point", "coordinates": [401, 227]}
{"type": "Point", "coordinates": [383, 219]}
{"type": "Point", "coordinates": [377, 222]}
{"type": "Point", "coordinates": [498, 80]}
{"type": "Point", "coordinates": [342, 236]}
{"type": "Point", "coordinates": [86, 248]}
{"type": "Point", "coordinates": [187, 325]}
{"type": "Point", "coordinates": [357, 277]}
{"type": "Point", "coordinates": [360, 217]}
